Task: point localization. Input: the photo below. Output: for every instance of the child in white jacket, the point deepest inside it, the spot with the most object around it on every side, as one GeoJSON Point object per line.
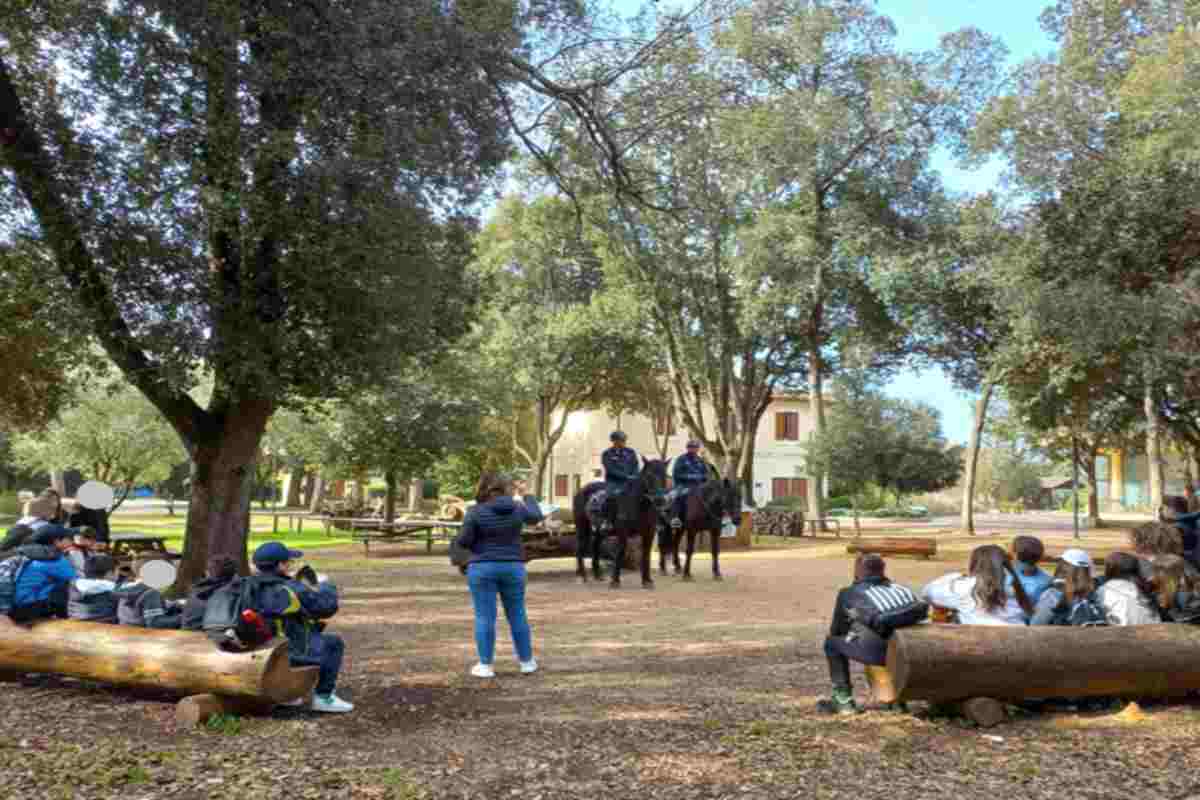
{"type": "Point", "coordinates": [1125, 596]}
{"type": "Point", "coordinates": [982, 597]}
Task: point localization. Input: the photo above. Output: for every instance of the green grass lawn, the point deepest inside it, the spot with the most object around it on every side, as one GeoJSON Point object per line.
{"type": "Point", "coordinates": [171, 527]}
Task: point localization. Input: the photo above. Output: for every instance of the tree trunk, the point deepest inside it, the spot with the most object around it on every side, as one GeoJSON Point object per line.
{"type": "Point", "coordinates": [747, 478]}
{"type": "Point", "coordinates": [389, 502]}
{"type": "Point", "coordinates": [57, 483]}
{"type": "Point", "coordinates": [310, 485]}
{"type": "Point", "coordinates": [223, 473]}
{"type": "Point", "coordinates": [125, 655]}
{"type": "Point", "coordinates": [415, 490]}
{"type": "Point", "coordinates": [954, 662]}
{"type": "Point", "coordinates": [316, 495]}
{"type": "Point", "coordinates": [1153, 455]}
{"type": "Point", "coordinates": [295, 478]}
{"type": "Point", "coordinates": [815, 498]}
{"type": "Point", "coordinates": [1089, 469]}
{"type": "Point", "coordinates": [968, 503]}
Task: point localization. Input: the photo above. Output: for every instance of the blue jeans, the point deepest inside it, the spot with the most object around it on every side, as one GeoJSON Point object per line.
{"type": "Point", "coordinates": [506, 578]}
{"type": "Point", "coordinates": [331, 650]}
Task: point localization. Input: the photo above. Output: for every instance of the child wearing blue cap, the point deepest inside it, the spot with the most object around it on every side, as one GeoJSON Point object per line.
{"type": "Point", "coordinates": [294, 609]}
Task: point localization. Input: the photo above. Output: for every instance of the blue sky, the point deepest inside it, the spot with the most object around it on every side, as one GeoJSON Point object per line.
{"type": "Point", "coordinates": [920, 24]}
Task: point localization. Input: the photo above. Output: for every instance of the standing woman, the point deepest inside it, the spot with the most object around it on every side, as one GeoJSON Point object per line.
{"type": "Point", "coordinates": [492, 532]}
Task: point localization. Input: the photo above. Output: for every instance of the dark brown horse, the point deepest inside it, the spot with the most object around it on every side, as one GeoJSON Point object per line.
{"type": "Point", "coordinates": [707, 508]}
{"type": "Point", "coordinates": [634, 513]}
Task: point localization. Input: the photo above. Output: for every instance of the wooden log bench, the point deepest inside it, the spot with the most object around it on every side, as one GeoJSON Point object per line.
{"type": "Point", "coordinates": [186, 662]}
{"type": "Point", "coordinates": [923, 548]}
{"type": "Point", "coordinates": [953, 663]}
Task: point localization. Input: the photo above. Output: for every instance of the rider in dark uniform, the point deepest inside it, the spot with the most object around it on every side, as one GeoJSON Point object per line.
{"type": "Point", "coordinates": [687, 473]}
{"type": "Point", "coordinates": [621, 466]}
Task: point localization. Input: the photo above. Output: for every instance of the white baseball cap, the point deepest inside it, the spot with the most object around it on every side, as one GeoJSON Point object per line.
{"type": "Point", "coordinates": [1076, 557]}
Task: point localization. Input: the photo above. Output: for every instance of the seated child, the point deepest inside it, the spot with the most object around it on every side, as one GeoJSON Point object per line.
{"type": "Point", "coordinates": [91, 597]}
{"type": "Point", "coordinates": [221, 570]}
{"type": "Point", "coordinates": [41, 586]}
{"type": "Point", "coordinates": [1069, 601]}
{"type": "Point", "coordinates": [1174, 593]}
{"type": "Point", "coordinates": [864, 617]}
{"type": "Point", "coordinates": [298, 608]}
{"type": "Point", "coordinates": [1154, 539]}
{"type": "Point", "coordinates": [1026, 552]}
{"type": "Point", "coordinates": [141, 605]}
{"type": "Point", "coordinates": [983, 596]}
{"type": "Point", "coordinates": [82, 548]}
{"type": "Point", "coordinates": [1125, 596]}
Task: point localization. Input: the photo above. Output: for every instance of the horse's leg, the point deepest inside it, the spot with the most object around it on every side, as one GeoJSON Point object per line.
{"type": "Point", "coordinates": [618, 560]}
{"type": "Point", "coordinates": [664, 544]}
{"type": "Point", "coordinates": [582, 536]}
{"type": "Point", "coordinates": [716, 552]}
{"type": "Point", "coordinates": [691, 546]}
{"type": "Point", "coordinates": [647, 545]}
{"type": "Point", "coordinates": [598, 539]}
{"type": "Point", "coordinates": [676, 540]}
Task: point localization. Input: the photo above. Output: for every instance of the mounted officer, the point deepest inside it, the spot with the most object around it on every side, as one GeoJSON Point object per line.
{"type": "Point", "coordinates": [621, 466]}
{"type": "Point", "coordinates": [687, 473]}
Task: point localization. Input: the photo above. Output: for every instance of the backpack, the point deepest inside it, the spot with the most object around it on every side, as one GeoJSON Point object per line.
{"type": "Point", "coordinates": [1085, 613]}
{"type": "Point", "coordinates": [896, 607]}
{"type": "Point", "coordinates": [231, 620]}
{"type": "Point", "coordinates": [10, 571]}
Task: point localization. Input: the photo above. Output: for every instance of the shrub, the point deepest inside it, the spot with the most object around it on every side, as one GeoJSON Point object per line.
{"type": "Point", "coordinates": [10, 506]}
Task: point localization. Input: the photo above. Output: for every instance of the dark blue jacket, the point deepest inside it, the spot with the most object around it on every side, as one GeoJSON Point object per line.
{"type": "Point", "coordinates": [292, 608]}
{"type": "Point", "coordinates": [620, 466]}
{"type": "Point", "coordinates": [689, 471]}
{"type": "Point", "coordinates": [492, 530]}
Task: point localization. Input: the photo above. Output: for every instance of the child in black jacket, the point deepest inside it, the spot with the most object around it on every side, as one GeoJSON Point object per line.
{"type": "Point", "coordinates": [863, 617]}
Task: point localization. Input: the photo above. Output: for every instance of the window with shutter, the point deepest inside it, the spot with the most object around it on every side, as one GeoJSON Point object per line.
{"type": "Point", "coordinates": [560, 485]}
{"type": "Point", "coordinates": [787, 426]}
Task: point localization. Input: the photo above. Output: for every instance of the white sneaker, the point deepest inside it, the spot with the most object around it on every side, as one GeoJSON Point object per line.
{"type": "Point", "coordinates": [529, 666]}
{"type": "Point", "coordinates": [483, 671]}
{"type": "Point", "coordinates": [331, 704]}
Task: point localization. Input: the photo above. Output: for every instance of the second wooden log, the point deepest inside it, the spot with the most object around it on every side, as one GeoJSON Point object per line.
{"type": "Point", "coordinates": [925, 548]}
{"type": "Point", "coordinates": [944, 663]}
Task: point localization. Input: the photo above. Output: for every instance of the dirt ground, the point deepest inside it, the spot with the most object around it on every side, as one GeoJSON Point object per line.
{"type": "Point", "coordinates": [694, 690]}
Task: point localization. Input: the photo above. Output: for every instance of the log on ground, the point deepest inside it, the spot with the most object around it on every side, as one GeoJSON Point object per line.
{"type": "Point", "coordinates": [182, 661]}
{"type": "Point", "coordinates": [926, 548]}
{"type": "Point", "coordinates": [197, 709]}
{"type": "Point", "coordinates": [944, 663]}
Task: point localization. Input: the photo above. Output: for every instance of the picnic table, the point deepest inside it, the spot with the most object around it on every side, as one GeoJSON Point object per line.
{"type": "Point", "coordinates": [127, 545]}
{"type": "Point", "coordinates": [376, 530]}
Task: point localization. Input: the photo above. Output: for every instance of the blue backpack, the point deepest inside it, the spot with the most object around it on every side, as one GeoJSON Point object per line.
{"type": "Point", "coordinates": [10, 571]}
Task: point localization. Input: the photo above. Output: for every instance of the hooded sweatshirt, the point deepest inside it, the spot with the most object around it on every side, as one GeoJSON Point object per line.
{"type": "Point", "coordinates": [1126, 604]}
{"type": "Point", "coordinates": [957, 591]}
{"type": "Point", "coordinates": [48, 569]}
{"type": "Point", "coordinates": [492, 530]}
{"type": "Point", "coordinates": [92, 599]}
{"type": "Point", "coordinates": [138, 604]}
{"type": "Point", "coordinates": [197, 602]}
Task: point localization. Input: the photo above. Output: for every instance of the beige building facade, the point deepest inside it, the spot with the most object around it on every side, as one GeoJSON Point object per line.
{"type": "Point", "coordinates": [779, 452]}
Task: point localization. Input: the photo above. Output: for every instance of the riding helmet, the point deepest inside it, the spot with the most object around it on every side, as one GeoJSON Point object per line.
{"type": "Point", "coordinates": [617, 436]}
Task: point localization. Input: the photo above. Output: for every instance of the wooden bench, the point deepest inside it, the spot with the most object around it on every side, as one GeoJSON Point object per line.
{"type": "Point", "coordinates": [186, 662]}
{"type": "Point", "coordinates": [924, 548]}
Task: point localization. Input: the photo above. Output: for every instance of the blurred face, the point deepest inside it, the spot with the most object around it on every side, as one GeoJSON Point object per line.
{"type": "Point", "coordinates": [693, 451]}
{"type": "Point", "coordinates": [285, 567]}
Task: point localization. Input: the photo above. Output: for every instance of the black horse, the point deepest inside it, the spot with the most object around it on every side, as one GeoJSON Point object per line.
{"type": "Point", "coordinates": [707, 508]}
{"type": "Point", "coordinates": [635, 513]}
